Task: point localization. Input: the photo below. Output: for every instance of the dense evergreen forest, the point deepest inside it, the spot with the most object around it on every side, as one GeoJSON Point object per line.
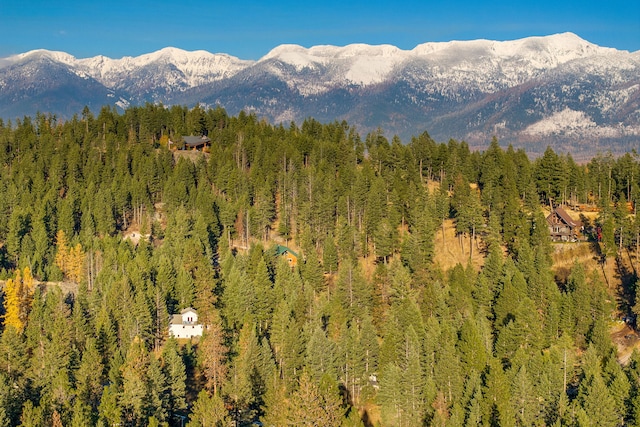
{"type": "Point", "coordinates": [365, 330]}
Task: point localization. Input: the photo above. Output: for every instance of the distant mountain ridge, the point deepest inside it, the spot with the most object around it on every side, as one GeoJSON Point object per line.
{"type": "Point", "coordinates": [557, 90]}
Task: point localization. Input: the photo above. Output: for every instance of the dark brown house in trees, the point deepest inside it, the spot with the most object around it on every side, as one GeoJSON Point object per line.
{"type": "Point", "coordinates": [196, 142]}
{"type": "Point", "coordinates": [562, 227]}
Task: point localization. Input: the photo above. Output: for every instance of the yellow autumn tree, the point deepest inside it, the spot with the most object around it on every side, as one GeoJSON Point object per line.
{"type": "Point", "coordinates": [62, 252]}
{"type": "Point", "coordinates": [27, 288]}
{"type": "Point", "coordinates": [76, 263]}
{"type": "Point", "coordinates": [164, 140]}
{"type": "Point", "coordinates": [12, 305]}
{"type": "Point", "coordinates": [70, 260]}
{"type": "Point", "coordinates": [18, 295]}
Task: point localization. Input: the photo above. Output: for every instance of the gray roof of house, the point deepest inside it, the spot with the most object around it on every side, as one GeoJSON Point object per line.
{"type": "Point", "coordinates": [194, 141]}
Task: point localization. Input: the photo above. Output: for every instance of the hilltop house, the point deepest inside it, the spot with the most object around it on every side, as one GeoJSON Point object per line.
{"type": "Point", "coordinates": [185, 324]}
{"type": "Point", "coordinates": [193, 142]}
{"type": "Point", "coordinates": [562, 227]}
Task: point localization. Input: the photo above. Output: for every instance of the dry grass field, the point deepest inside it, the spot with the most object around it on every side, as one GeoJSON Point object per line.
{"type": "Point", "coordinates": [451, 250]}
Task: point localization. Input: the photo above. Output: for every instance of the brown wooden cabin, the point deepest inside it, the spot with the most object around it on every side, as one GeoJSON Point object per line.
{"type": "Point", "coordinates": [562, 227]}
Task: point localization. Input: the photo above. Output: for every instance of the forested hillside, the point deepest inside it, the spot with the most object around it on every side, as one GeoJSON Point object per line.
{"type": "Point", "coordinates": [367, 329]}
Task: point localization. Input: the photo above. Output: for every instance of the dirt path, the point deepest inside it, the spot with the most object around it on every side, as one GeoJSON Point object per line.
{"type": "Point", "coordinates": [626, 340]}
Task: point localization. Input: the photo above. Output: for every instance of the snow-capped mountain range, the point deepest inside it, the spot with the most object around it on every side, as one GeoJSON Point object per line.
{"type": "Point", "coordinates": [559, 90]}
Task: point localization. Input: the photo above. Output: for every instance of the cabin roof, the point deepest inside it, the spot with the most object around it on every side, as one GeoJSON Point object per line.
{"type": "Point", "coordinates": [565, 217]}
{"type": "Point", "coordinates": [195, 141]}
{"type": "Point", "coordinates": [281, 250]}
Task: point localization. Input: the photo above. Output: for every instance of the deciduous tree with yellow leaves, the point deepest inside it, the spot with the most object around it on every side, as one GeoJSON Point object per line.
{"type": "Point", "coordinates": [70, 260]}
{"type": "Point", "coordinates": [12, 305]}
{"type": "Point", "coordinates": [18, 294]}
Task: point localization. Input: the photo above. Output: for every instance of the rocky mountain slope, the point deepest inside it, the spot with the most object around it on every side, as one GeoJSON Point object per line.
{"type": "Point", "coordinates": [558, 90]}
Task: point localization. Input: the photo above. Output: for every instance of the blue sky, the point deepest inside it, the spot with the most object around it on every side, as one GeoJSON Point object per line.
{"type": "Point", "coordinates": [250, 29]}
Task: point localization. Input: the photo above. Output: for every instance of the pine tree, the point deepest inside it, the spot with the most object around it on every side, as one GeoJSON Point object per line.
{"type": "Point", "coordinates": [176, 377]}
{"type": "Point", "coordinates": [384, 239]}
{"type": "Point", "coordinates": [598, 403]}
{"type": "Point", "coordinates": [548, 176]}
{"type": "Point", "coordinates": [275, 413]}
{"type": "Point", "coordinates": [352, 290]}
{"type": "Point", "coordinates": [135, 383]}
{"type": "Point", "coordinates": [18, 229]}
{"type": "Point", "coordinates": [390, 395]}
{"type": "Point", "coordinates": [329, 255]}
{"type": "Point", "coordinates": [89, 376]}
{"type": "Point", "coordinates": [32, 416]}
{"type": "Point", "coordinates": [473, 353]}
{"type": "Point", "coordinates": [158, 397]}
{"type": "Point", "coordinates": [350, 360]}
{"type": "Point", "coordinates": [10, 400]}
{"type": "Point", "coordinates": [309, 406]}
{"type": "Point", "coordinates": [264, 301]}
{"type": "Point", "coordinates": [110, 411]}
{"type": "Point", "coordinates": [413, 380]}
{"type": "Point", "coordinates": [208, 411]}
{"type": "Point", "coordinates": [320, 352]}
{"type": "Point", "coordinates": [81, 415]}
{"type": "Point", "coordinates": [468, 211]}
{"type": "Point", "coordinates": [617, 383]}
{"type": "Point", "coordinates": [524, 332]}
{"type": "Point", "coordinates": [312, 272]}
{"type": "Point", "coordinates": [244, 386]}
{"type": "Point", "coordinates": [498, 409]}
{"type": "Point", "coordinates": [238, 296]}
{"type": "Point", "coordinates": [213, 354]}
{"type": "Point", "coordinates": [368, 343]}
{"type": "Point", "coordinates": [474, 409]}
{"type": "Point", "coordinates": [391, 347]}
{"type": "Point", "coordinates": [523, 398]}
{"type": "Point", "coordinates": [353, 419]}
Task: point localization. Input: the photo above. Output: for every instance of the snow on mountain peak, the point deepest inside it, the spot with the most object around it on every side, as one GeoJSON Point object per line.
{"type": "Point", "coordinates": [543, 51]}
{"type": "Point", "coordinates": [558, 48]}
{"type": "Point", "coordinates": [56, 56]}
{"type": "Point", "coordinates": [291, 54]}
{"type": "Point", "coordinates": [483, 64]}
{"type": "Point", "coordinates": [194, 67]}
{"type": "Point", "coordinates": [360, 64]}
{"type": "Point", "coordinates": [364, 64]}
{"type": "Point", "coordinates": [356, 49]}
{"type": "Point", "coordinates": [175, 55]}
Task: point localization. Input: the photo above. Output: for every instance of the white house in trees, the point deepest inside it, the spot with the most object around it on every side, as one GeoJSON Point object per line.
{"type": "Point", "coordinates": [185, 324]}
